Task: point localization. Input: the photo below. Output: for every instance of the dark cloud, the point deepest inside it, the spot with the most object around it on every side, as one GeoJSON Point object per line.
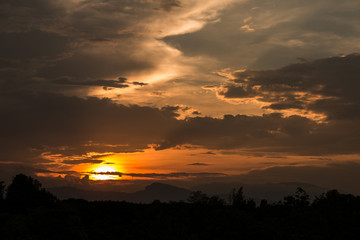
{"type": "Point", "coordinates": [209, 153]}
{"type": "Point", "coordinates": [327, 86]}
{"type": "Point", "coordinates": [35, 122]}
{"type": "Point", "coordinates": [322, 158]}
{"type": "Point", "coordinates": [175, 175]}
{"type": "Point", "coordinates": [122, 80]}
{"type": "Point", "coordinates": [285, 105]}
{"type": "Point", "coordinates": [23, 46]}
{"type": "Point", "coordinates": [91, 64]}
{"type": "Point", "coordinates": [139, 84]}
{"type": "Point", "coordinates": [198, 164]}
{"type": "Point", "coordinates": [158, 93]}
{"type": "Point", "coordinates": [82, 161]}
{"type": "Point", "coordinates": [99, 83]}
{"type": "Point", "coordinates": [168, 5]}
{"type": "Point", "coordinates": [119, 83]}
{"type": "Point", "coordinates": [74, 44]}
{"type": "Point", "coordinates": [172, 110]}
{"type": "Point", "coordinates": [106, 173]}
{"type": "Point", "coordinates": [22, 15]}
{"type": "Point", "coordinates": [270, 133]}
{"type": "Point", "coordinates": [162, 175]}
{"type": "Point", "coordinates": [239, 131]}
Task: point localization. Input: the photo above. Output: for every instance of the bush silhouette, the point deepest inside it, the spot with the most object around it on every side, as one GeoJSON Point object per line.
{"type": "Point", "coordinates": [2, 190]}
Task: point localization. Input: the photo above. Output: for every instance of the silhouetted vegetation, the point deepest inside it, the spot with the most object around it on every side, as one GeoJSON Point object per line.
{"type": "Point", "coordinates": [2, 190]}
{"type": "Point", "coordinates": [30, 212]}
{"type": "Point", "coordinates": [24, 191]}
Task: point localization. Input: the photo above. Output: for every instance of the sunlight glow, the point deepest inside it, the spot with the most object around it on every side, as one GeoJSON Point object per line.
{"type": "Point", "coordinates": [105, 172]}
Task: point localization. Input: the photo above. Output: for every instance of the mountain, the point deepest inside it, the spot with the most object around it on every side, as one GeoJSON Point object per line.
{"type": "Point", "coordinates": [273, 192]}
{"type": "Point", "coordinates": [162, 192]}
{"type": "Point", "coordinates": [155, 191]}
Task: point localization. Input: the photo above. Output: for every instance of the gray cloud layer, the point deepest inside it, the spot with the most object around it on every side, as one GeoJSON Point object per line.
{"type": "Point", "coordinates": [326, 86]}
{"type": "Point", "coordinates": [48, 43]}
{"type": "Point", "coordinates": [54, 52]}
{"type": "Point", "coordinates": [261, 34]}
{"type": "Point", "coordinates": [56, 123]}
{"type": "Point", "coordinates": [33, 122]}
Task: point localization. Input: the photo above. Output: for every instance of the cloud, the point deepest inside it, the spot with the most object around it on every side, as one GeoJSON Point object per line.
{"type": "Point", "coordinates": [168, 5]}
{"type": "Point", "coordinates": [325, 86]}
{"type": "Point", "coordinates": [269, 133]}
{"type": "Point", "coordinates": [32, 123]}
{"type": "Point", "coordinates": [313, 109]}
{"type": "Point", "coordinates": [78, 44]}
{"type": "Point", "coordinates": [209, 153]}
{"type": "Point", "coordinates": [56, 54]}
{"type": "Point", "coordinates": [82, 161]}
{"type": "Point", "coordinates": [119, 83]}
{"type": "Point", "coordinates": [162, 175]}
{"type": "Point", "coordinates": [261, 34]}
{"type": "Point", "coordinates": [175, 175]}
{"type": "Point", "coordinates": [105, 173]}
{"type": "Point", "coordinates": [198, 164]}
{"type": "Point", "coordinates": [100, 83]}
{"type": "Point", "coordinates": [139, 83]}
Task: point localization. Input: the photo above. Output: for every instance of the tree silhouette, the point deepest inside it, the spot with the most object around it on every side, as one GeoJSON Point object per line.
{"type": "Point", "coordinates": [198, 197]}
{"type": "Point", "coordinates": [331, 216]}
{"type": "Point", "coordinates": [24, 191]}
{"type": "Point", "coordinates": [300, 199]}
{"type": "Point", "coordinates": [2, 190]}
{"type": "Point", "coordinates": [237, 198]}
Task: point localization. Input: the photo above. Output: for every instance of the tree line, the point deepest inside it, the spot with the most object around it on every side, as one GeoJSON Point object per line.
{"type": "Point", "coordinates": [28, 211]}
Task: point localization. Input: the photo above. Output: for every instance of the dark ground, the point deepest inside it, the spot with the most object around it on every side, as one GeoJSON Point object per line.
{"type": "Point", "coordinates": [29, 212]}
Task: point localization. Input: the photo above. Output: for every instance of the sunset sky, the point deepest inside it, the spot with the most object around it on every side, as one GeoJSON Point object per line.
{"type": "Point", "coordinates": [107, 93]}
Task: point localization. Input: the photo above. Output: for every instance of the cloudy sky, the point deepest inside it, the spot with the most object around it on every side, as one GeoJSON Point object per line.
{"type": "Point", "coordinates": [181, 90]}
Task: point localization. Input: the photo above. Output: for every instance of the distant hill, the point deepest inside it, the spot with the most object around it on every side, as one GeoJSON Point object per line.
{"type": "Point", "coordinates": [155, 191]}
{"type": "Point", "coordinates": [273, 192]}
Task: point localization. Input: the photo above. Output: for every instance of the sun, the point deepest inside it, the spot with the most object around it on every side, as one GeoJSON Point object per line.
{"type": "Point", "coordinates": [105, 172]}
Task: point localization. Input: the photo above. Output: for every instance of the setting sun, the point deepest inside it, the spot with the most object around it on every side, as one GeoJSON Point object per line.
{"type": "Point", "coordinates": [105, 173]}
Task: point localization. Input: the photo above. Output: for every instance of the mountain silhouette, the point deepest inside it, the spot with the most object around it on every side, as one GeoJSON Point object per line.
{"type": "Point", "coordinates": [154, 191]}
{"type": "Point", "coordinates": [273, 192]}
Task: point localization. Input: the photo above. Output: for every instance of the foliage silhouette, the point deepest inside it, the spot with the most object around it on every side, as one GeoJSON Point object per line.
{"type": "Point", "coordinates": [24, 191]}
{"type": "Point", "coordinates": [237, 200]}
{"type": "Point", "coordinates": [2, 190]}
{"type": "Point", "coordinates": [198, 197]}
{"type": "Point", "coordinates": [300, 199]}
{"type": "Point", "coordinates": [331, 215]}
{"type": "Point", "coordinates": [201, 198]}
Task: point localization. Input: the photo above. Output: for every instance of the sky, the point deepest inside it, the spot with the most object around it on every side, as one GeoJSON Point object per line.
{"type": "Point", "coordinates": [107, 93]}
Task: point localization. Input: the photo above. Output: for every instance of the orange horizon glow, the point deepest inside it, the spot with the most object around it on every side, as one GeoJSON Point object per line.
{"type": "Point", "coordinates": [151, 164]}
